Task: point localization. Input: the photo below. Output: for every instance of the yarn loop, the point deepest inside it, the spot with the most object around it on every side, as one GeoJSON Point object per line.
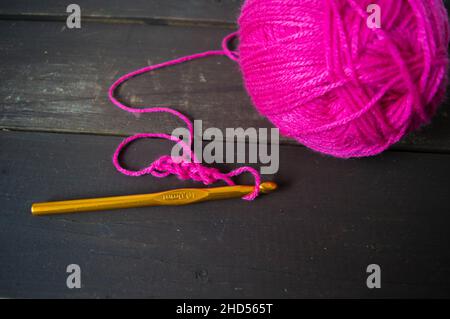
{"type": "Point", "coordinates": [187, 167]}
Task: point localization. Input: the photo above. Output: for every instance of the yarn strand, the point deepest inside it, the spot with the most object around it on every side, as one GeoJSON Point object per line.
{"type": "Point", "coordinates": [187, 167]}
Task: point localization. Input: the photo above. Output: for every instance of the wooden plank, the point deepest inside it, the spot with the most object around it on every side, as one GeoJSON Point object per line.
{"type": "Point", "coordinates": [312, 238]}
{"type": "Point", "coordinates": [56, 79]}
{"type": "Point", "coordinates": [205, 11]}
{"type": "Point", "coordinates": [63, 84]}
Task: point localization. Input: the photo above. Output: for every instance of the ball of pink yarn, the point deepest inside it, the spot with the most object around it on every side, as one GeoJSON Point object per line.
{"type": "Point", "coordinates": [318, 72]}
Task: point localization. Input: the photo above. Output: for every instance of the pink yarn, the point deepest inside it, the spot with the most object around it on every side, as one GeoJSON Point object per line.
{"type": "Point", "coordinates": [315, 69]}
{"type": "Point", "coordinates": [189, 166]}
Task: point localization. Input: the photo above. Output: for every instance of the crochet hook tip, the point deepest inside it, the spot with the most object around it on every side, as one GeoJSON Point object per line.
{"type": "Point", "coordinates": [268, 187]}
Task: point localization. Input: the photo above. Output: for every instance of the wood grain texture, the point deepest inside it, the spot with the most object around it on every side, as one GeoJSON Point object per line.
{"type": "Point", "coordinates": [54, 79]}
{"type": "Point", "coordinates": [199, 11]}
{"type": "Point", "coordinates": [312, 238]}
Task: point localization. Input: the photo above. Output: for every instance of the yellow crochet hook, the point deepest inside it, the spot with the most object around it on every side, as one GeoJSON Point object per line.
{"type": "Point", "coordinates": [174, 197]}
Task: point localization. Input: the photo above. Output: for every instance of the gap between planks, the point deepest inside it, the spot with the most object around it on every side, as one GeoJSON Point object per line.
{"type": "Point", "coordinates": [186, 22]}
{"type": "Point", "coordinates": [288, 143]}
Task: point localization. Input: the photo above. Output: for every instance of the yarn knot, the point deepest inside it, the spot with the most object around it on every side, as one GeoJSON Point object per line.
{"type": "Point", "coordinates": [186, 170]}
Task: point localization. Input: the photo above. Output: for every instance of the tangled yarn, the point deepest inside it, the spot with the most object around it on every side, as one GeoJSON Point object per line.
{"type": "Point", "coordinates": [318, 72]}
{"type": "Point", "coordinates": [188, 166]}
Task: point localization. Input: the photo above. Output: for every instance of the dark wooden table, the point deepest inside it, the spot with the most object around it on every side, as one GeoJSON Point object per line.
{"type": "Point", "coordinates": [313, 238]}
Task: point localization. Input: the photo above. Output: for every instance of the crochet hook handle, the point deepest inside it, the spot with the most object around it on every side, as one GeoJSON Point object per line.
{"type": "Point", "coordinates": [167, 198]}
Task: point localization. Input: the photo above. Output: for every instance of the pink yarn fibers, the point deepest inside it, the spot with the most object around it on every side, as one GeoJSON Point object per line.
{"type": "Point", "coordinates": [319, 73]}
